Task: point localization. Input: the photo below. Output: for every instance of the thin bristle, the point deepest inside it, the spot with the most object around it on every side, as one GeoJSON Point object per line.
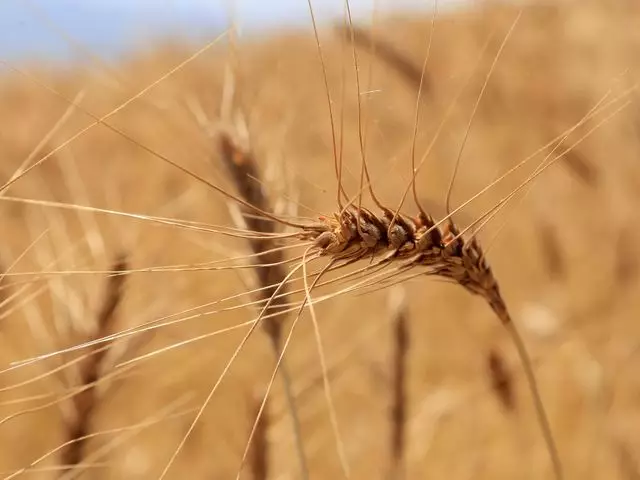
{"type": "Point", "coordinates": [398, 407]}
{"type": "Point", "coordinates": [501, 380]}
{"type": "Point", "coordinates": [86, 401]}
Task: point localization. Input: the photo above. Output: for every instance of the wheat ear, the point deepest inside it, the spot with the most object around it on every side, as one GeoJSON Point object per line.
{"type": "Point", "coordinates": [86, 401]}
{"type": "Point", "coordinates": [441, 250]}
{"type": "Point", "coordinates": [243, 169]}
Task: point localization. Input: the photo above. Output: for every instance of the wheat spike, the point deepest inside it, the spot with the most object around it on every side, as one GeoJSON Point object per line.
{"type": "Point", "coordinates": [86, 401]}
{"type": "Point", "coordinates": [244, 171]}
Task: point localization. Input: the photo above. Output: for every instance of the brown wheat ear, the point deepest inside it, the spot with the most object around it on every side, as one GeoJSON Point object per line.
{"type": "Point", "coordinates": [357, 233]}
{"type": "Point", "coordinates": [86, 401]}
{"type": "Point", "coordinates": [243, 169]}
{"type": "Point", "coordinates": [241, 165]}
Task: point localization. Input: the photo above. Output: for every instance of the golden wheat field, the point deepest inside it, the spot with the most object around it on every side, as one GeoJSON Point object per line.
{"type": "Point", "coordinates": [129, 275]}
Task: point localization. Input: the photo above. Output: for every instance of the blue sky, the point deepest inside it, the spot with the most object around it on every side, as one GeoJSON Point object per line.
{"type": "Point", "coordinates": [110, 27]}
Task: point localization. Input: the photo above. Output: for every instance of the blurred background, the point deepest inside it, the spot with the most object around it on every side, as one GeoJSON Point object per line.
{"type": "Point", "coordinates": [112, 28]}
{"type": "Point", "coordinates": [425, 382]}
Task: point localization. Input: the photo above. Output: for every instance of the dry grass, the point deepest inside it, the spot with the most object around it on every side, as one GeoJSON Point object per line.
{"type": "Point", "coordinates": [187, 285]}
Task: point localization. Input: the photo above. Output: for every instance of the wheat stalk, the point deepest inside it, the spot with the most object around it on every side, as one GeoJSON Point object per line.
{"type": "Point", "coordinates": [259, 453]}
{"type": "Point", "coordinates": [3, 286]}
{"type": "Point", "coordinates": [398, 405]}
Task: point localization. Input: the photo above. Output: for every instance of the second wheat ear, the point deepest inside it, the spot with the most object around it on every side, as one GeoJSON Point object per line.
{"type": "Point", "coordinates": [86, 401]}
{"type": "Point", "coordinates": [441, 250]}
{"type": "Point", "coordinates": [243, 169]}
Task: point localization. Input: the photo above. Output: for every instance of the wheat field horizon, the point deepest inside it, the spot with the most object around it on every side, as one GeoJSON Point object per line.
{"type": "Point", "coordinates": [399, 249]}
